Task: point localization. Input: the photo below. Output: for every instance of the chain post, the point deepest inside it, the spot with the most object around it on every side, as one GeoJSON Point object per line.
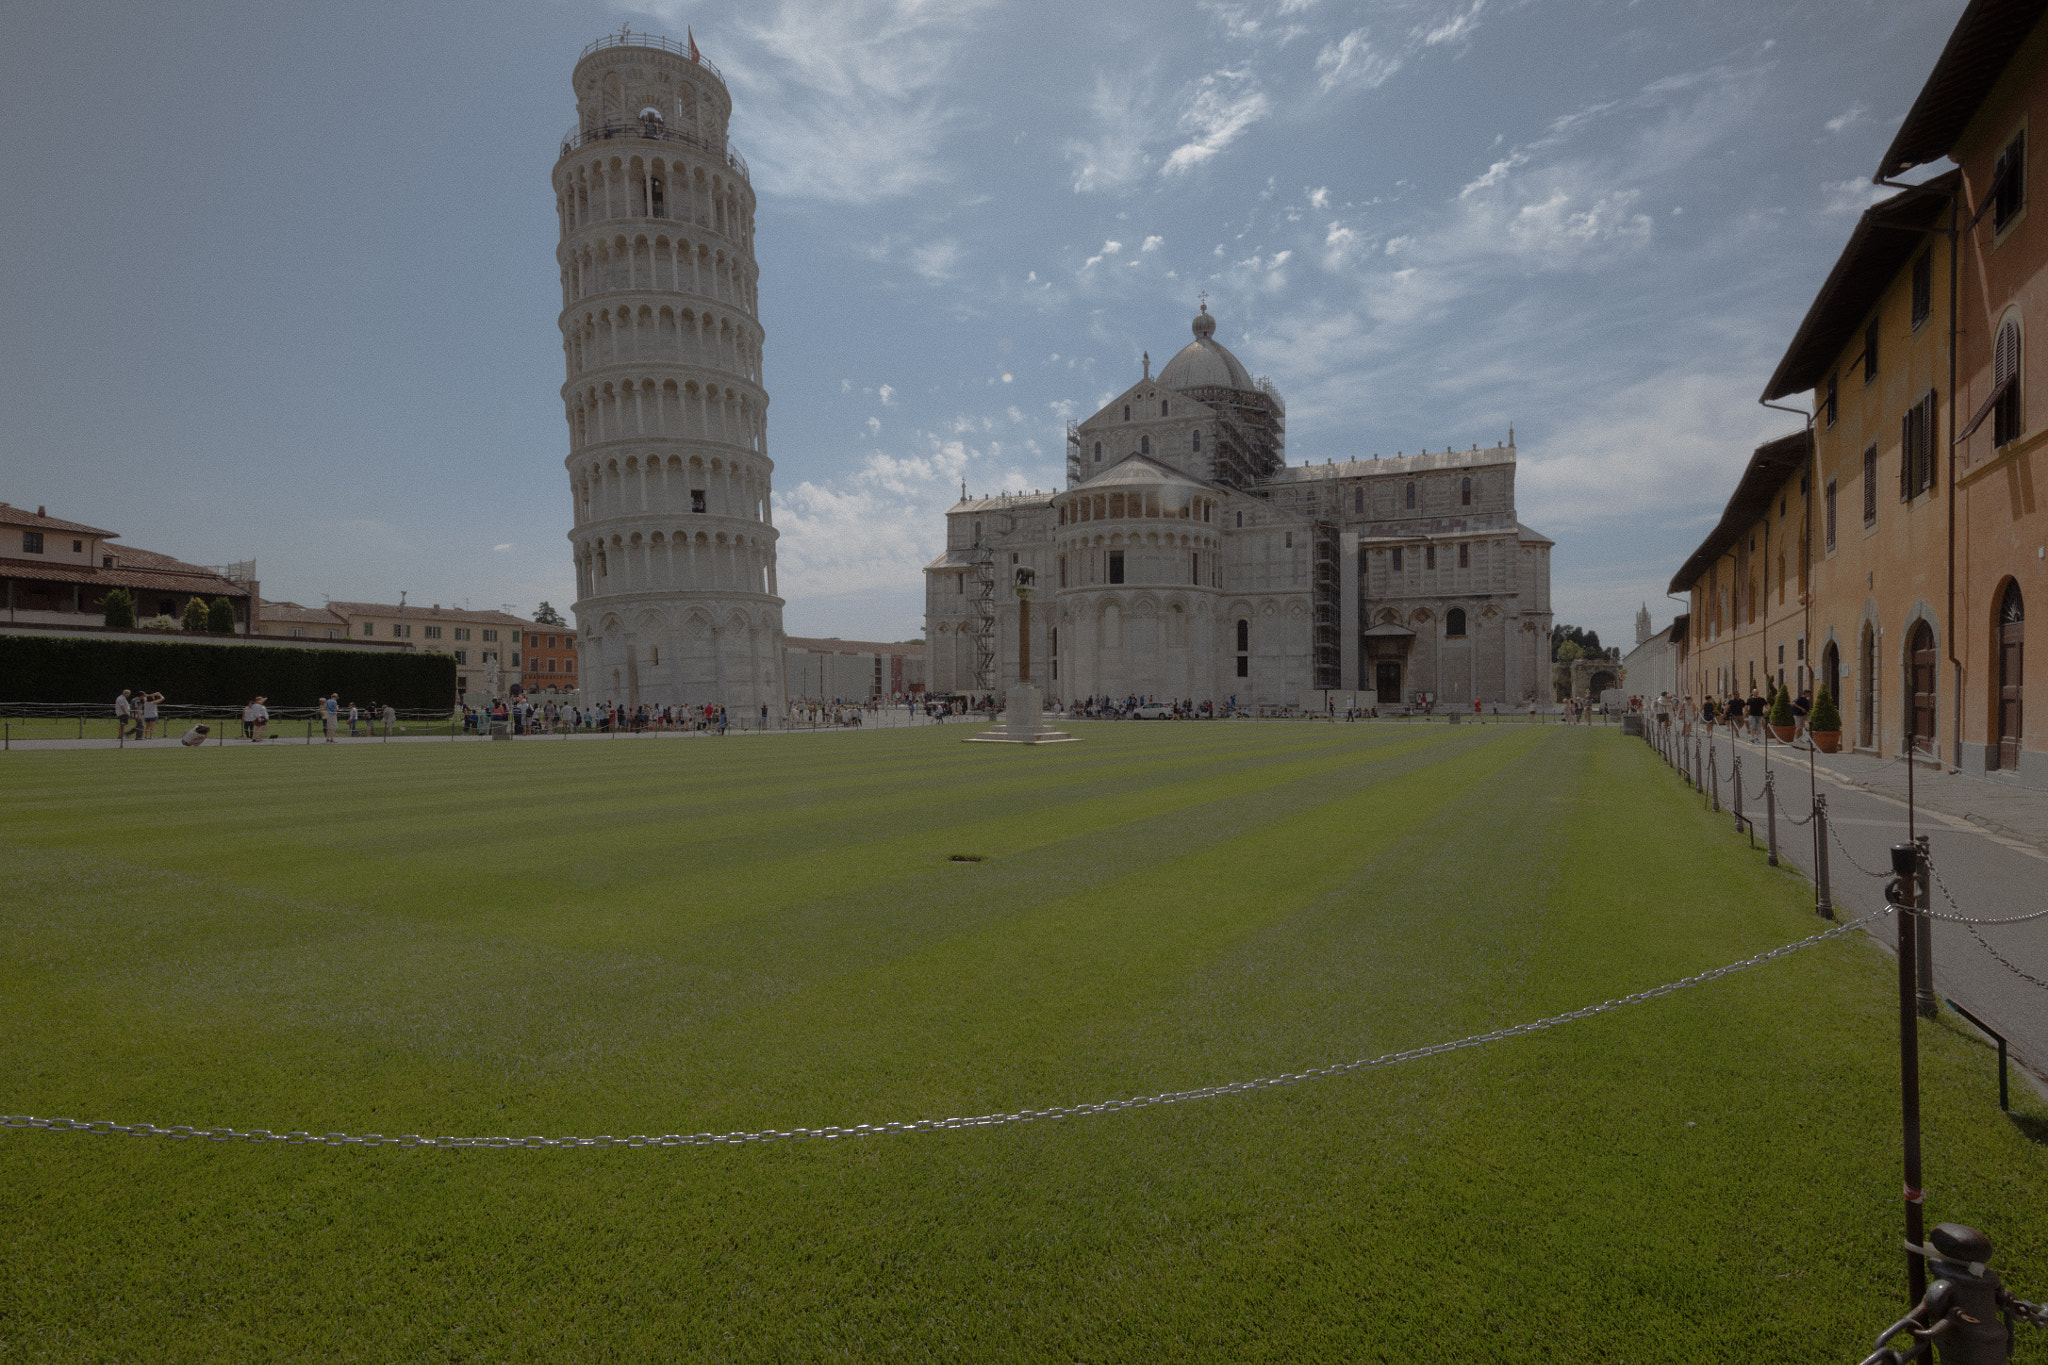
{"type": "Point", "coordinates": [1737, 783]}
{"type": "Point", "coordinates": [1903, 891]}
{"type": "Point", "coordinates": [1824, 904]}
{"type": "Point", "coordinates": [1714, 771]}
{"type": "Point", "coordinates": [1923, 937]}
{"type": "Point", "coordinates": [1771, 814]}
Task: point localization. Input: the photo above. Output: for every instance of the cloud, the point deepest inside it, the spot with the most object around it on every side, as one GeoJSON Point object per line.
{"type": "Point", "coordinates": [1352, 62]}
{"type": "Point", "coordinates": [502, 548]}
{"type": "Point", "coordinates": [936, 261]}
{"type": "Point", "coordinates": [874, 426]}
{"type": "Point", "coordinates": [887, 394]}
{"type": "Point", "coordinates": [841, 100]}
{"type": "Point", "coordinates": [1848, 118]}
{"type": "Point", "coordinates": [1842, 197]}
{"type": "Point", "coordinates": [1218, 108]}
{"type": "Point", "coordinates": [1121, 109]}
{"type": "Point", "coordinates": [1152, 244]}
{"type": "Point", "coordinates": [1108, 249]}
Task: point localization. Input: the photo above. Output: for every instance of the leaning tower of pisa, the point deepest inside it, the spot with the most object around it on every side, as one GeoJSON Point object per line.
{"type": "Point", "coordinates": [668, 453]}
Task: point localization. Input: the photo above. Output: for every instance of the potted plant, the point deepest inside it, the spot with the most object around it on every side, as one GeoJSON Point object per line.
{"type": "Point", "coordinates": [1779, 716]}
{"type": "Point", "coordinates": [1824, 722]}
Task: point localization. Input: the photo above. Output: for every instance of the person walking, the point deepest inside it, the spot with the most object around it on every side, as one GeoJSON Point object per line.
{"type": "Point", "coordinates": [390, 718]}
{"type": "Point", "coordinates": [262, 717]}
{"type": "Point", "coordinates": [249, 721]}
{"type": "Point", "coordinates": [149, 713]}
{"type": "Point", "coordinates": [123, 713]}
{"type": "Point", "coordinates": [1755, 707]}
{"type": "Point", "coordinates": [330, 715]}
{"type": "Point", "coordinates": [352, 720]}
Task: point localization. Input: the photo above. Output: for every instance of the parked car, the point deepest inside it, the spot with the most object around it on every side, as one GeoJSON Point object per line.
{"type": "Point", "coordinates": [1152, 711]}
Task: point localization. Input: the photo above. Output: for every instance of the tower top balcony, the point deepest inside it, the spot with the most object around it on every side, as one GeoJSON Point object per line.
{"type": "Point", "coordinates": [626, 38]}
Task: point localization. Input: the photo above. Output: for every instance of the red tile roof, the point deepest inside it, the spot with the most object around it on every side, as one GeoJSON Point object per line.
{"type": "Point", "coordinates": [11, 515]}
{"type": "Point", "coordinates": [414, 612]}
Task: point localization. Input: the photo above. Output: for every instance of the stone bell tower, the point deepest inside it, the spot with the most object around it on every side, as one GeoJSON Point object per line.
{"type": "Point", "coordinates": [669, 474]}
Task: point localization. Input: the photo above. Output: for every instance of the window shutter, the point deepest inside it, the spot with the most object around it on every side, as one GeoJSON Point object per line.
{"type": "Point", "coordinates": [1906, 456]}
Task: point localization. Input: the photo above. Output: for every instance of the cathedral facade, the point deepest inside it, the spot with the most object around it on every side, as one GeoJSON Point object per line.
{"type": "Point", "coordinates": [1187, 559]}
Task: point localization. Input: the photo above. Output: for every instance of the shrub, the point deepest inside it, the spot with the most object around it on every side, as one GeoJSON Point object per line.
{"type": "Point", "coordinates": [220, 617]}
{"type": "Point", "coordinates": [194, 617]}
{"type": "Point", "coordinates": [210, 672]}
{"type": "Point", "coordinates": [119, 606]}
{"type": "Point", "coordinates": [1824, 716]}
{"type": "Point", "coordinates": [161, 623]}
{"type": "Point", "coordinates": [1781, 707]}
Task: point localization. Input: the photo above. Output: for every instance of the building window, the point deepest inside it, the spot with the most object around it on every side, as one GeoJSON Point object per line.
{"type": "Point", "coordinates": [1454, 621]}
{"type": "Point", "coordinates": [1397, 559]}
{"type": "Point", "coordinates": [1870, 336]}
{"type": "Point", "coordinates": [369, 627]}
{"type": "Point", "coordinates": [1828, 518]}
{"type": "Point", "coordinates": [1063, 571]}
{"type": "Point", "coordinates": [462, 632]}
{"type": "Point", "coordinates": [461, 656]}
{"type": "Point", "coordinates": [1195, 567]}
{"type": "Point", "coordinates": [433, 632]}
{"type": "Point", "coordinates": [2005, 383]}
{"type": "Point", "coordinates": [1198, 442]}
{"type": "Point", "coordinates": [1923, 288]}
{"type": "Point", "coordinates": [1465, 493]}
{"type": "Point", "coordinates": [1240, 521]}
{"type": "Point", "coordinates": [1098, 452]}
{"type": "Point", "coordinates": [1870, 486]}
{"type": "Point", "coordinates": [1429, 556]}
{"type": "Point", "coordinates": [1116, 566]}
{"type": "Point", "coordinates": [1409, 497]}
{"type": "Point", "coordinates": [402, 631]}
{"type": "Point", "coordinates": [1358, 499]}
{"type": "Point", "coordinates": [515, 657]}
{"type": "Point", "coordinates": [2009, 182]}
{"type": "Point", "coordinates": [491, 635]}
{"type": "Point", "coordinates": [298, 632]}
{"type": "Point", "coordinates": [1290, 540]}
{"type": "Point", "coordinates": [1916, 448]}
{"type": "Point", "coordinates": [31, 542]}
{"type": "Point", "coordinates": [490, 655]}
{"type": "Point", "coordinates": [568, 665]}
{"type": "Point", "coordinates": [1144, 445]}
{"type": "Point", "coordinates": [1127, 412]}
{"type": "Point", "coordinates": [1244, 666]}
{"type": "Point", "coordinates": [1464, 556]}
{"type": "Point", "coordinates": [1244, 636]}
{"type": "Point", "coordinates": [1162, 407]}
{"type": "Point", "coordinates": [551, 642]}
{"type": "Point", "coordinates": [1831, 405]}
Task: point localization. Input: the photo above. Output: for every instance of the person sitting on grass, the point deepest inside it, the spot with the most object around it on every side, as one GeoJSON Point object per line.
{"type": "Point", "coordinates": [194, 737]}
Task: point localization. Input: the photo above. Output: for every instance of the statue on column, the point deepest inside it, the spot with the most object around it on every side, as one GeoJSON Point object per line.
{"type": "Point", "coordinates": [1022, 721]}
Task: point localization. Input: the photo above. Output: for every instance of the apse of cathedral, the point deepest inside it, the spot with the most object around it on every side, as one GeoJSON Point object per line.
{"type": "Point", "coordinates": [1186, 559]}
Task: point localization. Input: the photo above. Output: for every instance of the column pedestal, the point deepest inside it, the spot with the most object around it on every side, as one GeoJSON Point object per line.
{"type": "Point", "coordinates": [1022, 722]}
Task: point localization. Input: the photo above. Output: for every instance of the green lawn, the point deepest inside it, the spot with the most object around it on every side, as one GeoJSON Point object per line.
{"type": "Point", "coordinates": [682, 936]}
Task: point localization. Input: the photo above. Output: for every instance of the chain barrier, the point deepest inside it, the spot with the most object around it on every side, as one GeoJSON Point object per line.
{"type": "Point", "coordinates": [2003, 961]}
{"type": "Point", "coordinates": [1959, 917]}
{"type": "Point", "coordinates": [301, 1138]}
{"type": "Point", "coordinates": [1835, 833]}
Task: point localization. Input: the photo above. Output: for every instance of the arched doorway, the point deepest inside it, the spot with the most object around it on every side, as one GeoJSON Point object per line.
{"type": "Point", "coordinates": [1866, 688]}
{"type": "Point", "coordinates": [1923, 662]}
{"type": "Point", "coordinates": [1601, 682]}
{"type": "Point", "coordinates": [1831, 672]}
{"type": "Point", "coordinates": [2011, 658]}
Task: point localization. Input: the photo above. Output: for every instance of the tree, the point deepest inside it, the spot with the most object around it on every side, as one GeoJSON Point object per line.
{"type": "Point", "coordinates": [1570, 652]}
{"type": "Point", "coordinates": [1781, 707]}
{"type": "Point", "coordinates": [1824, 717]}
{"type": "Point", "coordinates": [194, 617]}
{"type": "Point", "coordinates": [220, 617]}
{"type": "Point", "coordinates": [1588, 642]}
{"type": "Point", "coordinates": [119, 606]}
{"type": "Point", "coordinates": [545, 615]}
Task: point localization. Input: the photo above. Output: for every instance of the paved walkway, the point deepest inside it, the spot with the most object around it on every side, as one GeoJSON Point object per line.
{"type": "Point", "coordinates": [1988, 841]}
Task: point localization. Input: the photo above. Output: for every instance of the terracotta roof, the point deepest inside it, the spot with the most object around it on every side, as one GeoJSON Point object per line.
{"type": "Point", "coordinates": [1983, 42]}
{"type": "Point", "coordinates": [11, 515]}
{"type": "Point", "coordinates": [294, 613]}
{"type": "Point", "coordinates": [165, 575]}
{"type": "Point", "coordinates": [814, 646]}
{"type": "Point", "coordinates": [414, 612]}
{"type": "Point", "coordinates": [1773, 463]}
{"type": "Point", "coordinates": [1886, 237]}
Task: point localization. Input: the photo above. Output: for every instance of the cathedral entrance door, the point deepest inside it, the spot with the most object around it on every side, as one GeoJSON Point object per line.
{"type": "Point", "coordinates": [1387, 676]}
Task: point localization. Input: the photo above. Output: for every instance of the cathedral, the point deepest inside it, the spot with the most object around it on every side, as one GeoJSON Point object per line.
{"type": "Point", "coordinates": [1186, 559]}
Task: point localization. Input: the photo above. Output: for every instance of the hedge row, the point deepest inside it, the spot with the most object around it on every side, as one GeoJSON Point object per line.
{"type": "Point", "coordinates": [58, 669]}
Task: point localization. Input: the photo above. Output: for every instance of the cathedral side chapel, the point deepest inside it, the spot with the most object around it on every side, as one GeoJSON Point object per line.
{"type": "Point", "coordinates": [1186, 559]}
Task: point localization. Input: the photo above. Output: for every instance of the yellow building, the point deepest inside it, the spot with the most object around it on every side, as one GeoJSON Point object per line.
{"type": "Point", "coordinates": [479, 640]}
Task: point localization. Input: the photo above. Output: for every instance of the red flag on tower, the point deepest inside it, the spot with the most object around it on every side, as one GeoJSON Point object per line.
{"type": "Point", "coordinates": [695, 56]}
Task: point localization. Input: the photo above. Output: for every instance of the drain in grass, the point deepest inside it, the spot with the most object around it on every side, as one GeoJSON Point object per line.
{"type": "Point", "coordinates": [964, 858]}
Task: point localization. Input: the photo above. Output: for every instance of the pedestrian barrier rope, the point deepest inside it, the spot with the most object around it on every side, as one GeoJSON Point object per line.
{"type": "Point", "coordinates": [1959, 917]}
{"type": "Point", "coordinates": [1835, 833]}
{"type": "Point", "coordinates": [107, 1127]}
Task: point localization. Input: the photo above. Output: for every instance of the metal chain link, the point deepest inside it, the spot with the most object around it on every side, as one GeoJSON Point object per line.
{"type": "Point", "coordinates": [108, 1127]}
{"type": "Point", "coordinates": [1835, 833]}
{"type": "Point", "coordinates": [1959, 917]}
{"type": "Point", "coordinates": [2003, 961]}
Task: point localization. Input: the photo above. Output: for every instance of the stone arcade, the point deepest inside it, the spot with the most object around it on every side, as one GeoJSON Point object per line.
{"type": "Point", "coordinates": [1186, 559]}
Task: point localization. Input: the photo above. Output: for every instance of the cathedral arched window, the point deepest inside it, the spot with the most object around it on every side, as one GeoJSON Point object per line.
{"type": "Point", "coordinates": [1244, 636]}
{"type": "Point", "coordinates": [1098, 452]}
{"type": "Point", "coordinates": [1144, 445]}
{"type": "Point", "coordinates": [1358, 500]}
{"type": "Point", "coordinates": [1162, 407]}
{"type": "Point", "coordinates": [1409, 497]}
{"type": "Point", "coordinates": [1198, 442]}
{"type": "Point", "coordinates": [1465, 493]}
{"type": "Point", "coordinates": [1454, 621]}
{"type": "Point", "coordinates": [1127, 412]}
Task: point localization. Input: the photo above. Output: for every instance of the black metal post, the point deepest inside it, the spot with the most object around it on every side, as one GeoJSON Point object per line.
{"type": "Point", "coordinates": [1905, 893]}
{"type": "Point", "coordinates": [1736, 783]}
{"type": "Point", "coordinates": [2004, 1092]}
{"type": "Point", "coordinates": [1824, 904]}
{"type": "Point", "coordinates": [1771, 814]}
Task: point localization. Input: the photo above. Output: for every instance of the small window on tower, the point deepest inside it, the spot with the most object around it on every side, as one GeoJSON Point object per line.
{"type": "Point", "coordinates": [696, 499]}
{"type": "Point", "coordinates": [1144, 445]}
{"type": "Point", "coordinates": [1397, 559]}
{"type": "Point", "coordinates": [1358, 499]}
{"type": "Point", "coordinates": [1127, 412]}
{"type": "Point", "coordinates": [1098, 452]}
{"type": "Point", "coordinates": [657, 208]}
{"type": "Point", "coordinates": [1464, 556]}
{"type": "Point", "coordinates": [1465, 493]}
{"type": "Point", "coordinates": [1116, 566]}
{"type": "Point", "coordinates": [1198, 442]}
{"type": "Point", "coordinates": [1429, 556]}
{"type": "Point", "coordinates": [1408, 497]}
{"type": "Point", "coordinates": [1162, 407]}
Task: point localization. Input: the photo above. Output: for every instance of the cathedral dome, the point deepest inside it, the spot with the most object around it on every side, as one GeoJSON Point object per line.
{"type": "Point", "coordinates": [1205, 363]}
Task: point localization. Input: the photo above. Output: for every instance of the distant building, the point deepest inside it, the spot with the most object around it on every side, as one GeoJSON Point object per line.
{"type": "Point", "coordinates": [851, 670]}
{"type": "Point", "coordinates": [58, 573]}
{"type": "Point", "coordinates": [1657, 664]}
{"type": "Point", "coordinates": [1186, 559]}
{"type": "Point", "coordinates": [479, 640]}
{"type": "Point", "coordinates": [289, 620]}
{"type": "Point", "coordinates": [550, 661]}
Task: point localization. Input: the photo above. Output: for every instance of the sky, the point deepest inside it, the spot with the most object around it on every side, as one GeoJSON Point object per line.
{"type": "Point", "coordinates": [282, 281]}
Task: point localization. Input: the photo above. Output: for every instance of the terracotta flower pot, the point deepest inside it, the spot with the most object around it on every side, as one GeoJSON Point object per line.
{"type": "Point", "coordinates": [1783, 733]}
{"type": "Point", "coordinates": [1827, 741]}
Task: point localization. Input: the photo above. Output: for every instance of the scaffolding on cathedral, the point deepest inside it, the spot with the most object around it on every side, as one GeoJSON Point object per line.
{"type": "Point", "coordinates": [984, 626]}
{"type": "Point", "coordinates": [1251, 433]}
